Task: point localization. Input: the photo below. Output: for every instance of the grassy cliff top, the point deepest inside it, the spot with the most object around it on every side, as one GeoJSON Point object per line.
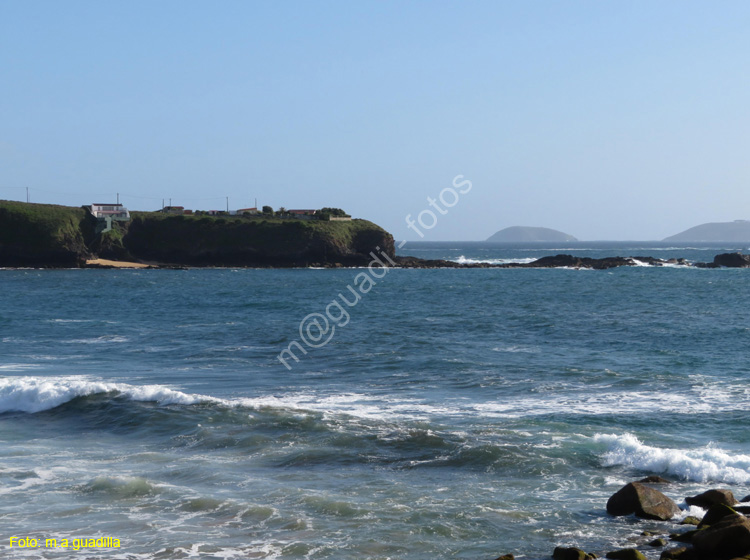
{"type": "Point", "coordinates": [343, 232]}
{"type": "Point", "coordinates": [39, 224]}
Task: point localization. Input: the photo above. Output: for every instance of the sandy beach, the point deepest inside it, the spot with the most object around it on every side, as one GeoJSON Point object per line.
{"type": "Point", "coordinates": [116, 264]}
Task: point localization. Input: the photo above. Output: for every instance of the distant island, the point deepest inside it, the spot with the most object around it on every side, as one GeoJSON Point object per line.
{"type": "Point", "coordinates": [46, 235]}
{"type": "Point", "coordinates": [520, 234]}
{"type": "Point", "coordinates": [737, 231]}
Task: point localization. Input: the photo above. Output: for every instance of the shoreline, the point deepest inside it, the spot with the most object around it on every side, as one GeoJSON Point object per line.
{"type": "Point", "coordinates": [564, 261]}
{"type": "Point", "coordinates": [721, 533]}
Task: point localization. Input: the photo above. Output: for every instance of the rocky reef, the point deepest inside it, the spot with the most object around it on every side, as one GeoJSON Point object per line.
{"type": "Point", "coordinates": [722, 534]}
{"type": "Point", "coordinates": [728, 260]}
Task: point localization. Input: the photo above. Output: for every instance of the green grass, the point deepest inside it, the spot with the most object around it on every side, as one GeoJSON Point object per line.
{"type": "Point", "coordinates": [40, 225]}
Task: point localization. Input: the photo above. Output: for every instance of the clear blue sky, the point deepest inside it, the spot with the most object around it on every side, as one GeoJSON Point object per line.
{"type": "Point", "coordinates": [607, 120]}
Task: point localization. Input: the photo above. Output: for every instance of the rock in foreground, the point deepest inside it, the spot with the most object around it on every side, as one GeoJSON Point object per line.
{"type": "Point", "coordinates": [729, 538]}
{"type": "Point", "coordinates": [643, 501]}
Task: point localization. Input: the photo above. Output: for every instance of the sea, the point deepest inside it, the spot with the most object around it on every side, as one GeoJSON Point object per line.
{"type": "Point", "coordinates": [424, 414]}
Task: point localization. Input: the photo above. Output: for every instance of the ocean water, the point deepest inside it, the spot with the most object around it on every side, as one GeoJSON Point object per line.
{"type": "Point", "coordinates": [457, 414]}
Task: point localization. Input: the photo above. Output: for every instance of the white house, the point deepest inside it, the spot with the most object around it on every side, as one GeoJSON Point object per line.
{"type": "Point", "coordinates": [111, 211]}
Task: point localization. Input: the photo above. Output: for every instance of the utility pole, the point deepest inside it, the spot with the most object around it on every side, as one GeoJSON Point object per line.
{"type": "Point", "coordinates": [118, 198]}
{"type": "Point", "coordinates": [27, 194]}
{"type": "Point", "coordinates": [162, 203]}
{"type": "Point", "coordinates": [227, 205]}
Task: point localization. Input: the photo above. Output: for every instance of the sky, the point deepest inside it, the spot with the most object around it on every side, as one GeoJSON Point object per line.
{"type": "Point", "coordinates": [616, 120]}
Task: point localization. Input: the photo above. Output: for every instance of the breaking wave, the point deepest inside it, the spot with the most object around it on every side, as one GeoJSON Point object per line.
{"type": "Point", "coordinates": [699, 465]}
{"type": "Point", "coordinates": [35, 394]}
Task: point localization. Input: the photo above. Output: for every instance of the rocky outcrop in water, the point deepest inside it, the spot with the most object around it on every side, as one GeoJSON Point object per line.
{"type": "Point", "coordinates": [722, 534]}
{"type": "Point", "coordinates": [556, 261]}
{"type": "Point", "coordinates": [728, 260]}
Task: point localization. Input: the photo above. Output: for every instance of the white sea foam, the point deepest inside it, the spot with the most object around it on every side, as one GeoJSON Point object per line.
{"type": "Point", "coordinates": [514, 349]}
{"type": "Point", "coordinates": [34, 394]}
{"type": "Point", "coordinates": [465, 260]}
{"type": "Point", "coordinates": [700, 465]}
{"type": "Point", "coordinates": [662, 265]}
{"type": "Point", "coordinates": [18, 367]}
{"type": "Point", "coordinates": [106, 339]}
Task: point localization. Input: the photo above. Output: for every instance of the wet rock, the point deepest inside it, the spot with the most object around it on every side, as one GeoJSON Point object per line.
{"type": "Point", "coordinates": [506, 557]}
{"type": "Point", "coordinates": [570, 553]}
{"type": "Point", "coordinates": [679, 553]}
{"type": "Point", "coordinates": [626, 554]}
{"type": "Point", "coordinates": [643, 501]}
{"type": "Point", "coordinates": [728, 538]}
{"type": "Point", "coordinates": [687, 536]}
{"type": "Point", "coordinates": [746, 498]}
{"type": "Point", "coordinates": [732, 260]}
{"type": "Point", "coordinates": [690, 520]}
{"type": "Point", "coordinates": [654, 479]}
{"type": "Point", "coordinates": [658, 542]}
{"type": "Point", "coordinates": [716, 513]}
{"type": "Point", "coordinates": [711, 497]}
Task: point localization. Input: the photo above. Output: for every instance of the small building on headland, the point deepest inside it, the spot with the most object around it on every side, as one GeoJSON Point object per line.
{"type": "Point", "coordinates": [243, 211]}
{"type": "Point", "coordinates": [114, 211]}
{"type": "Point", "coordinates": [303, 214]}
{"type": "Point", "coordinates": [177, 210]}
{"type": "Point", "coordinates": [106, 213]}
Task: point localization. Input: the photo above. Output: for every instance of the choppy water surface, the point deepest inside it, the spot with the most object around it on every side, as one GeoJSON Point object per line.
{"type": "Point", "coordinates": [459, 414]}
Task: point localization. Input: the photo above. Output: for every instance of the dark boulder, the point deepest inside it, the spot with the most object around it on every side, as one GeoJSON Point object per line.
{"type": "Point", "coordinates": [729, 538]}
{"type": "Point", "coordinates": [679, 553]}
{"type": "Point", "coordinates": [626, 554]}
{"type": "Point", "coordinates": [654, 479]}
{"type": "Point", "coordinates": [711, 497]}
{"type": "Point", "coordinates": [716, 513]}
{"type": "Point", "coordinates": [658, 542]}
{"type": "Point", "coordinates": [687, 536]}
{"type": "Point", "coordinates": [732, 260]}
{"type": "Point", "coordinates": [557, 261]}
{"type": "Point", "coordinates": [570, 553]}
{"type": "Point", "coordinates": [506, 557]}
{"type": "Point", "coordinates": [643, 501]}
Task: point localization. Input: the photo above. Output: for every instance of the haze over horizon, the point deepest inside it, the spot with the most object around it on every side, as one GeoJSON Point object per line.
{"type": "Point", "coordinates": [607, 121]}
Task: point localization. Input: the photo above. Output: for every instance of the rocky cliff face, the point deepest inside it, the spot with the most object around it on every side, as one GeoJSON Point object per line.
{"type": "Point", "coordinates": [209, 241]}
{"type": "Point", "coordinates": [42, 235]}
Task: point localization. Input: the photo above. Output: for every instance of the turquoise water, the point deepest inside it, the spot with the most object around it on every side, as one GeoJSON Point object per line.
{"type": "Point", "coordinates": [458, 414]}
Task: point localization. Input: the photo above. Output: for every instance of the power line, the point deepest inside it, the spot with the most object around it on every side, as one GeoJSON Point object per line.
{"type": "Point", "coordinates": [32, 190]}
